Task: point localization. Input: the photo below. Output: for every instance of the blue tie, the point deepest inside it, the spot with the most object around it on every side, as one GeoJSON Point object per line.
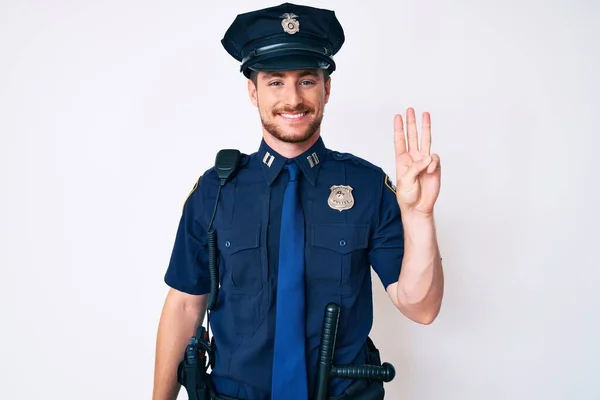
{"type": "Point", "coordinates": [289, 360]}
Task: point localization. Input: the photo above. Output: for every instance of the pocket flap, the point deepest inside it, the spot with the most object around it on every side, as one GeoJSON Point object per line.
{"type": "Point", "coordinates": [341, 238]}
{"type": "Point", "coordinates": [234, 240]}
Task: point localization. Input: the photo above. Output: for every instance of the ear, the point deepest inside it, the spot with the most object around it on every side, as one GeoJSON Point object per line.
{"type": "Point", "coordinates": [252, 93]}
{"type": "Point", "coordinates": [327, 90]}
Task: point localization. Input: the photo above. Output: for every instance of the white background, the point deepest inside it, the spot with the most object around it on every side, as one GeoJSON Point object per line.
{"type": "Point", "coordinates": [109, 111]}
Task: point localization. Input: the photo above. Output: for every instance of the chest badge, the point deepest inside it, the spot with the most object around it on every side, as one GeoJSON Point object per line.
{"type": "Point", "coordinates": [341, 198]}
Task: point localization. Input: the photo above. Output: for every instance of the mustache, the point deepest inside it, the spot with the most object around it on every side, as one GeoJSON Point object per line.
{"type": "Point", "coordinates": [298, 109]}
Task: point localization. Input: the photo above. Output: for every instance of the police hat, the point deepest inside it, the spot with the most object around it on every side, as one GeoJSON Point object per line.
{"type": "Point", "coordinates": [284, 37]}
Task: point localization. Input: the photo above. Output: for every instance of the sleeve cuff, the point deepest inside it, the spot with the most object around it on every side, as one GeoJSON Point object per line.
{"type": "Point", "coordinates": [201, 287]}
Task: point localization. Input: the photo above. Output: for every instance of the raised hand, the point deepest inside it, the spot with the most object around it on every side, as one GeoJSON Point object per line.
{"type": "Point", "coordinates": [418, 175]}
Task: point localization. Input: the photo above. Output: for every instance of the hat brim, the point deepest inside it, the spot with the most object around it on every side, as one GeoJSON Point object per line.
{"type": "Point", "coordinates": [289, 63]}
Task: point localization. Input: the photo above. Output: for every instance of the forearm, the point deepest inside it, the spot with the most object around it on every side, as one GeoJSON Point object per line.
{"type": "Point", "coordinates": [421, 282]}
{"type": "Point", "coordinates": [177, 325]}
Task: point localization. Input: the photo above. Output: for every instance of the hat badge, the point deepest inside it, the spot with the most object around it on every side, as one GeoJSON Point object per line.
{"type": "Point", "coordinates": [289, 23]}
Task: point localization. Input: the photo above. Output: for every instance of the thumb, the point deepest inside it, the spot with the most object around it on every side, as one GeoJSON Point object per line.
{"type": "Point", "coordinates": [418, 166]}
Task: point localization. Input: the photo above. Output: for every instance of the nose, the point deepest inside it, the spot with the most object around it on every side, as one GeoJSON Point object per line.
{"type": "Point", "coordinates": [292, 95]}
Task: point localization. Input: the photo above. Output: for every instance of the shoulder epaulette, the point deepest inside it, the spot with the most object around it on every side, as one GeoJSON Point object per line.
{"type": "Point", "coordinates": [351, 157]}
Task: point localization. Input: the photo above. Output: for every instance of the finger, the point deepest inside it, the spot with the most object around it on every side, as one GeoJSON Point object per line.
{"type": "Point", "coordinates": [435, 164]}
{"type": "Point", "coordinates": [399, 141]}
{"type": "Point", "coordinates": [417, 167]}
{"type": "Point", "coordinates": [426, 133]}
{"type": "Point", "coordinates": [411, 127]}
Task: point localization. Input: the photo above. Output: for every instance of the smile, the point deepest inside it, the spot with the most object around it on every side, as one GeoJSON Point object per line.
{"type": "Point", "coordinates": [293, 116]}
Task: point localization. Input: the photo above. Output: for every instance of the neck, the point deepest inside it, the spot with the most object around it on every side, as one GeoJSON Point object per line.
{"type": "Point", "coordinates": [290, 150]}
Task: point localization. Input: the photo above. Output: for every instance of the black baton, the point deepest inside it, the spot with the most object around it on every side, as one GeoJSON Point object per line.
{"type": "Point", "coordinates": [325, 367]}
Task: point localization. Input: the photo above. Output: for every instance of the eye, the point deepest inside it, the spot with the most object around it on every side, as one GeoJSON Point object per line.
{"type": "Point", "coordinates": [307, 83]}
{"type": "Point", "coordinates": [274, 83]}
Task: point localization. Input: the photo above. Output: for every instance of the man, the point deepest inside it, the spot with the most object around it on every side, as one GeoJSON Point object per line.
{"type": "Point", "coordinates": [298, 226]}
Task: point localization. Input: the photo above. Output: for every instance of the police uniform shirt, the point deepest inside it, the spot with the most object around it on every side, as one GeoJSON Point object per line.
{"type": "Point", "coordinates": [341, 245]}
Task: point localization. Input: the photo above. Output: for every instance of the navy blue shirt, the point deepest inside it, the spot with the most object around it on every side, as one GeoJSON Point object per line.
{"type": "Point", "coordinates": [342, 244]}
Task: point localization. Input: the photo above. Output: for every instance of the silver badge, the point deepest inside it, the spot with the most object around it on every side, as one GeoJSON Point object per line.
{"type": "Point", "coordinates": [341, 198]}
{"type": "Point", "coordinates": [290, 24]}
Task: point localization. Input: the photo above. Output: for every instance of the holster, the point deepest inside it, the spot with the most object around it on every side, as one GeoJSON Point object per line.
{"type": "Point", "coordinates": [195, 381]}
{"type": "Point", "coordinates": [192, 370]}
{"type": "Point", "coordinates": [366, 389]}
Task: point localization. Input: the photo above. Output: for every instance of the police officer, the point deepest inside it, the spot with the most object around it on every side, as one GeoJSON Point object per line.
{"type": "Point", "coordinates": [298, 226]}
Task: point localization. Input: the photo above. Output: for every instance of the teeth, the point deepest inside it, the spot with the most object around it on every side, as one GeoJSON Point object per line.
{"type": "Point", "coordinates": [293, 115]}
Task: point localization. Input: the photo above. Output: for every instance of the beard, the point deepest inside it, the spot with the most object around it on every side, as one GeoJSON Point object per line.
{"type": "Point", "coordinates": [278, 132]}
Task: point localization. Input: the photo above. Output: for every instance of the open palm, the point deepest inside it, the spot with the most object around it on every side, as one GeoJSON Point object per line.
{"type": "Point", "coordinates": [418, 174]}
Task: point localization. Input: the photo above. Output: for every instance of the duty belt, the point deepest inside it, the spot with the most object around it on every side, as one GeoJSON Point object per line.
{"type": "Point", "coordinates": [359, 390]}
{"type": "Point", "coordinates": [192, 371]}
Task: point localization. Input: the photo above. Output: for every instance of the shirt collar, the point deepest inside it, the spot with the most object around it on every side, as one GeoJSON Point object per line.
{"type": "Point", "coordinates": [309, 162]}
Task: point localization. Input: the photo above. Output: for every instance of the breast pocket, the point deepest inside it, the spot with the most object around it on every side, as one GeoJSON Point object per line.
{"type": "Point", "coordinates": [242, 302]}
{"type": "Point", "coordinates": [241, 255]}
{"type": "Point", "coordinates": [338, 257]}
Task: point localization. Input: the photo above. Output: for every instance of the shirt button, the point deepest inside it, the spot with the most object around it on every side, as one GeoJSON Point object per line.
{"type": "Point", "coordinates": [227, 244]}
{"type": "Point", "coordinates": [342, 243]}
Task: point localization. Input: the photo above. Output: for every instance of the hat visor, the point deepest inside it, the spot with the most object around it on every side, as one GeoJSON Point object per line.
{"type": "Point", "coordinates": [288, 63]}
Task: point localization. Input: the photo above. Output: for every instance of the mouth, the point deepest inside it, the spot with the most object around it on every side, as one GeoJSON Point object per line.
{"type": "Point", "coordinates": [293, 117]}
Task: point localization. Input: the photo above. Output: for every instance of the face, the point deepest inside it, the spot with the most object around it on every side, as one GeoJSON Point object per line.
{"type": "Point", "coordinates": [290, 103]}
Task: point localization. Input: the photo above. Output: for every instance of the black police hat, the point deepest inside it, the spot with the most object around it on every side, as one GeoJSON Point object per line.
{"type": "Point", "coordinates": [284, 37]}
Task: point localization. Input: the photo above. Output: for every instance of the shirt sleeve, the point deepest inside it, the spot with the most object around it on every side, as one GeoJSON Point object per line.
{"type": "Point", "coordinates": [387, 243]}
{"type": "Point", "coordinates": [188, 266]}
